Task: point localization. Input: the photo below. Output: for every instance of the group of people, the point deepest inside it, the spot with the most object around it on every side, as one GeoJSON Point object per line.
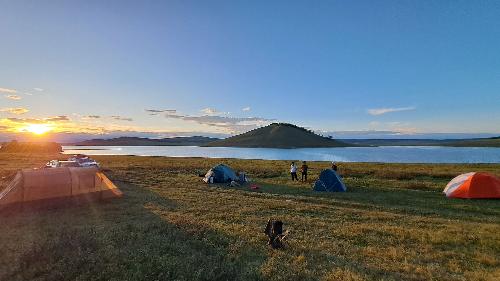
{"type": "Point", "coordinates": [303, 170]}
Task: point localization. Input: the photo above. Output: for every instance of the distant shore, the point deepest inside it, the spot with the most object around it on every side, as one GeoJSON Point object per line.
{"type": "Point", "coordinates": [384, 154]}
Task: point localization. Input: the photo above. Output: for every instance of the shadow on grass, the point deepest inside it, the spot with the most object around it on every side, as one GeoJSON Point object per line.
{"type": "Point", "coordinates": [118, 240]}
{"type": "Point", "coordinates": [396, 200]}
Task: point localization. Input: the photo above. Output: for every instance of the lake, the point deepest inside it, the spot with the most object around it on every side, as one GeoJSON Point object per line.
{"type": "Point", "coordinates": [387, 154]}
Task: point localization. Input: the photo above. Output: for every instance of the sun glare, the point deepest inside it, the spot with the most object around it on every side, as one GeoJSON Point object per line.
{"type": "Point", "coordinates": [37, 129]}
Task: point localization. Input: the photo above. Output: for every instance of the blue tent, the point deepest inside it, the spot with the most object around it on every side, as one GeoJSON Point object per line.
{"type": "Point", "coordinates": [329, 181]}
{"type": "Point", "coordinates": [221, 173]}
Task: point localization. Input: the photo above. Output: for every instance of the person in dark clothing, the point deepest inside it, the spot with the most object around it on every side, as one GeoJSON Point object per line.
{"type": "Point", "coordinates": [334, 167]}
{"type": "Point", "coordinates": [303, 171]}
{"type": "Point", "coordinates": [274, 230]}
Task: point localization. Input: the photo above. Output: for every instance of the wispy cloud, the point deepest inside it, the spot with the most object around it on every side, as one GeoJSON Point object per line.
{"type": "Point", "coordinates": [229, 124]}
{"type": "Point", "coordinates": [13, 97]}
{"type": "Point", "coordinates": [158, 111]}
{"type": "Point", "coordinates": [91, 117]}
{"type": "Point", "coordinates": [209, 111]}
{"type": "Point", "coordinates": [17, 110]}
{"type": "Point", "coordinates": [394, 126]}
{"type": "Point", "coordinates": [246, 108]}
{"type": "Point", "coordinates": [8, 91]}
{"type": "Point", "coordinates": [57, 118]}
{"type": "Point", "coordinates": [120, 118]}
{"type": "Point", "coordinates": [38, 89]}
{"type": "Point", "coordinates": [60, 118]}
{"type": "Point", "coordinates": [212, 111]}
{"type": "Point", "coordinates": [380, 111]}
{"type": "Point", "coordinates": [26, 120]}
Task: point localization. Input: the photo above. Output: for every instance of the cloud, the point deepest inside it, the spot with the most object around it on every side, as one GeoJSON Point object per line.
{"type": "Point", "coordinates": [246, 108]}
{"type": "Point", "coordinates": [8, 91]}
{"type": "Point", "coordinates": [26, 120]}
{"type": "Point", "coordinates": [158, 111]}
{"type": "Point", "coordinates": [17, 110]}
{"type": "Point", "coordinates": [92, 117]}
{"type": "Point", "coordinates": [13, 97]}
{"type": "Point", "coordinates": [380, 111]}
{"type": "Point", "coordinates": [57, 118]}
{"type": "Point", "coordinates": [229, 124]}
{"type": "Point", "coordinates": [120, 118]}
{"type": "Point", "coordinates": [212, 111]}
{"type": "Point", "coordinates": [394, 126]}
{"type": "Point", "coordinates": [209, 111]}
{"type": "Point", "coordinates": [38, 89]}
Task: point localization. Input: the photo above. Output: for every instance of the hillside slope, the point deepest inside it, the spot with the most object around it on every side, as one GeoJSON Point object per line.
{"type": "Point", "coordinates": [278, 135]}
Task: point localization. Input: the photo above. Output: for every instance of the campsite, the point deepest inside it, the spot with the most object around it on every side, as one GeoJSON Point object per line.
{"type": "Point", "coordinates": [394, 223]}
{"type": "Point", "coordinates": [221, 140]}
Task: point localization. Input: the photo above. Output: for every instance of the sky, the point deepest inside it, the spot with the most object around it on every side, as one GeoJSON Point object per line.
{"type": "Point", "coordinates": [81, 69]}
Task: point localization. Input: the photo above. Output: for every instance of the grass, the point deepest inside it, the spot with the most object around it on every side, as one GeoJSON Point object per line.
{"type": "Point", "coordinates": [393, 224]}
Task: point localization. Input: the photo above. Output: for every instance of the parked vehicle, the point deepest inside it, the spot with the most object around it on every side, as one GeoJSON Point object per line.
{"type": "Point", "coordinates": [78, 160]}
{"type": "Point", "coordinates": [62, 163]}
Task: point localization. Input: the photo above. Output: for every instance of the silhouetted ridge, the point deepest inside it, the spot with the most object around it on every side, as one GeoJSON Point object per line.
{"type": "Point", "coordinates": [278, 135]}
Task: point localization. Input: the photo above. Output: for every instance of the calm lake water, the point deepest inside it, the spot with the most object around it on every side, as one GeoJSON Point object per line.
{"type": "Point", "coordinates": [388, 154]}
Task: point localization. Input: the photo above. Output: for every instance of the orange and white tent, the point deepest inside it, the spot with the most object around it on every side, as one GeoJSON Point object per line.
{"type": "Point", "coordinates": [473, 185]}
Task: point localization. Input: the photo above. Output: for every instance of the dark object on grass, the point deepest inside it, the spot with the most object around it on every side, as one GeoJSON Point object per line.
{"type": "Point", "coordinates": [274, 231]}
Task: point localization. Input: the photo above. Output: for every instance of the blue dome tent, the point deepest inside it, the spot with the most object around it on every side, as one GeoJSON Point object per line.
{"type": "Point", "coordinates": [220, 174]}
{"type": "Point", "coordinates": [329, 181]}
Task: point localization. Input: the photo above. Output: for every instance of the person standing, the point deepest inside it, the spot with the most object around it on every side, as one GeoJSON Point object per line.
{"type": "Point", "coordinates": [334, 167]}
{"type": "Point", "coordinates": [293, 171]}
{"type": "Point", "coordinates": [303, 171]}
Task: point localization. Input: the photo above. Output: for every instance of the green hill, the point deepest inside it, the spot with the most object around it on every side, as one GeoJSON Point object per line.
{"type": "Point", "coordinates": [278, 135]}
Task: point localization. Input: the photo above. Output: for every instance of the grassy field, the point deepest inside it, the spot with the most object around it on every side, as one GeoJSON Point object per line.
{"type": "Point", "coordinates": [392, 224]}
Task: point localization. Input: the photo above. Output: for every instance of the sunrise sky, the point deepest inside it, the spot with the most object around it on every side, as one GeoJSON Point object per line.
{"type": "Point", "coordinates": [81, 69]}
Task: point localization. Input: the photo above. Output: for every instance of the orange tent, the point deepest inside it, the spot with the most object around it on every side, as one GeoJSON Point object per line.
{"type": "Point", "coordinates": [56, 184]}
{"type": "Point", "coordinates": [473, 185]}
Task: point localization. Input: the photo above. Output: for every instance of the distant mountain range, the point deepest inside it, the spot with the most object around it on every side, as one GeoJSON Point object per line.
{"type": "Point", "coordinates": [278, 135]}
{"type": "Point", "coordinates": [480, 142]}
{"type": "Point", "coordinates": [136, 141]}
{"type": "Point", "coordinates": [284, 135]}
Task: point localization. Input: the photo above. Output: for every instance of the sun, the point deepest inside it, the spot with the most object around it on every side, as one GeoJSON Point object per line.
{"type": "Point", "coordinates": [37, 129]}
